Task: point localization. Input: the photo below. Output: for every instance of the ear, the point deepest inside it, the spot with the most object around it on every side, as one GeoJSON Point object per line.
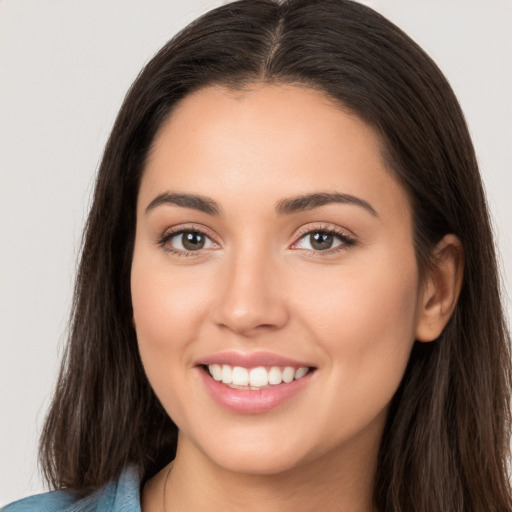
{"type": "Point", "coordinates": [441, 288]}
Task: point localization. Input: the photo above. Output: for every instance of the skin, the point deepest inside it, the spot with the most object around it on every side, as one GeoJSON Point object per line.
{"type": "Point", "coordinates": [260, 285]}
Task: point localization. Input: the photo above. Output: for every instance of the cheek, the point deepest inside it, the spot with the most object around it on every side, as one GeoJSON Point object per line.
{"type": "Point", "coordinates": [164, 322]}
{"type": "Point", "coordinates": [154, 312]}
{"type": "Point", "coordinates": [351, 304]}
{"type": "Point", "coordinates": [168, 305]}
{"type": "Point", "coordinates": [365, 325]}
{"type": "Point", "coordinates": [167, 312]}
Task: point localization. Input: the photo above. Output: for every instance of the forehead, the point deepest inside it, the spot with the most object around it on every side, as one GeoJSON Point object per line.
{"type": "Point", "coordinates": [269, 141]}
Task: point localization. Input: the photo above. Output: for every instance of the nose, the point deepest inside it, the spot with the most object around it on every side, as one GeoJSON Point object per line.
{"type": "Point", "coordinates": [252, 296]}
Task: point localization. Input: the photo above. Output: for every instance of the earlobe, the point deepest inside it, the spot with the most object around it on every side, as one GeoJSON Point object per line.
{"type": "Point", "coordinates": [441, 288]}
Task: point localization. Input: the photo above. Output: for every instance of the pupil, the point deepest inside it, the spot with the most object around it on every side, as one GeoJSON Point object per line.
{"type": "Point", "coordinates": [193, 241]}
{"type": "Point", "coordinates": [321, 241]}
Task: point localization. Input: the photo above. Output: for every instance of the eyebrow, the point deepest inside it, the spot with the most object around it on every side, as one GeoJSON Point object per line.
{"type": "Point", "coordinates": [283, 207]}
{"type": "Point", "coordinates": [311, 201]}
{"type": "Point", "coordinates": [203, 204]}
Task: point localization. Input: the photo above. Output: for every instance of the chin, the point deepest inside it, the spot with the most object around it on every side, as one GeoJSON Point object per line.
{"type": "Point", "coordinates": [254, 456]}
{"type": "Point", "coordinates": [257, 464]}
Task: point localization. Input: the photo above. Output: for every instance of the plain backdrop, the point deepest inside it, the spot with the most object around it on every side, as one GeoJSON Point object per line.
{"type": "Point", "coordinates": [65, 66]}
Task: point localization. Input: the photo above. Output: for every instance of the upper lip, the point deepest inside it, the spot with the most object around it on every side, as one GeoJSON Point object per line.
{"type": "Point", "coordinates": [251, 360]}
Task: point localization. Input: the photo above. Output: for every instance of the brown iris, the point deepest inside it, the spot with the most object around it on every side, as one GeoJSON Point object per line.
{"type": "Point", "coordinates": [321, 240]}
{"type": "Point", "coordinates": [192, 240]}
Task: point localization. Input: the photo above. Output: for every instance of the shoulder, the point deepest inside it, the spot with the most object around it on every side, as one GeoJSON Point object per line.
{"type": "Point", "coordinates": [117, 496]}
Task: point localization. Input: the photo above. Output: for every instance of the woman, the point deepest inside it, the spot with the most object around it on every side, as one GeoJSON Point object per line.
{"type": "Point", "coordinates": [288, 293]}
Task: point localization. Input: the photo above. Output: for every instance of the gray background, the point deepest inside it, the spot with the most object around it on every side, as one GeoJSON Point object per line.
{"type": "Point", "coordinates": [65, 66]}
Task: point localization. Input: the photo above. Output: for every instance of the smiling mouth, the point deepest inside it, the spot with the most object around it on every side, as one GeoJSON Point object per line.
{"type": "Point", "coordinates": [261, 377]}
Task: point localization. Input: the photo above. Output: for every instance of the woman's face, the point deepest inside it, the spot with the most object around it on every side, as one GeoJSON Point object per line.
{"type": "Point", "coordinates": [271, 237]}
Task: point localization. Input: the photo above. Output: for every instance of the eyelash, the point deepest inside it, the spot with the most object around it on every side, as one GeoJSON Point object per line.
{"type": "Point", "coordinates": [346, 240]}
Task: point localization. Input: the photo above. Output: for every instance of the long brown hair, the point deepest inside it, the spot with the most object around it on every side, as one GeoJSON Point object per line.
{"type": "Point", "coordinates": [446, 442]}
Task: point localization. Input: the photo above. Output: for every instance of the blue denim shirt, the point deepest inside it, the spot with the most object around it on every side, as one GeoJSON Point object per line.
{"type": "Point", "coordinates": [120, 496]}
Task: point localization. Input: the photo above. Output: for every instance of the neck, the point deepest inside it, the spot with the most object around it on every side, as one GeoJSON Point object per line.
{"type": "Point", "coordinates": [339, 480]}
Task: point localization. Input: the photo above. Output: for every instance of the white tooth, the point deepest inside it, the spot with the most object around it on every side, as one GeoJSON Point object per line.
{"type": "Point", "coordinates": [227, 377]}
{"type": "Point", "coordinates": [240, 376]}
{"type": "Point", "coordinates": [258, 377]}
{"type": "Point", "coordinates": [216, 371]}
{"type": "Point", "coordinates": [275, 376]}
{"type": "Point", "coordinates": [300, 372]}
{"type": "Point", "coordinates": [288, 374]}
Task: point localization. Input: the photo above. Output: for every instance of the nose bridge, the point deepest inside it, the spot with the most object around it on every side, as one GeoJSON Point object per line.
{"type": "Point", "coordinates": [251, 298]}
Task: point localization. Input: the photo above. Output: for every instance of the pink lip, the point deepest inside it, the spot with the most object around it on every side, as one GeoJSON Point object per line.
{"type": "Point", "coordinates": [247, 401]}
{"type": "Point", "coordinates": [252, 360]}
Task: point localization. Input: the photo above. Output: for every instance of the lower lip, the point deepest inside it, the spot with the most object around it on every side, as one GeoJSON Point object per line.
{"type": "Point", "coordinates": [247, 401]}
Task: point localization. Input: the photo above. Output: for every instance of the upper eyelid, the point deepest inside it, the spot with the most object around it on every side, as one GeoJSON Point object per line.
{"type": "Point", "coordinates": [301, 231]}
{"type": "Point", "coordinates": [188, 227]}
{"type": "Point", "coordinates": [325, 227]}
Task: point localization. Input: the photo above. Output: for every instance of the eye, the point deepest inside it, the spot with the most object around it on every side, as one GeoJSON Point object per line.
{"type": "Point", "coordinates": [186, 241]}
{"type": "Point", "coordinates": [324, 239]}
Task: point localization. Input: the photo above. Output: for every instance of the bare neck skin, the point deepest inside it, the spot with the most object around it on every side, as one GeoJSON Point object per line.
{"type": "Point", "coordinates": [341, 480]}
